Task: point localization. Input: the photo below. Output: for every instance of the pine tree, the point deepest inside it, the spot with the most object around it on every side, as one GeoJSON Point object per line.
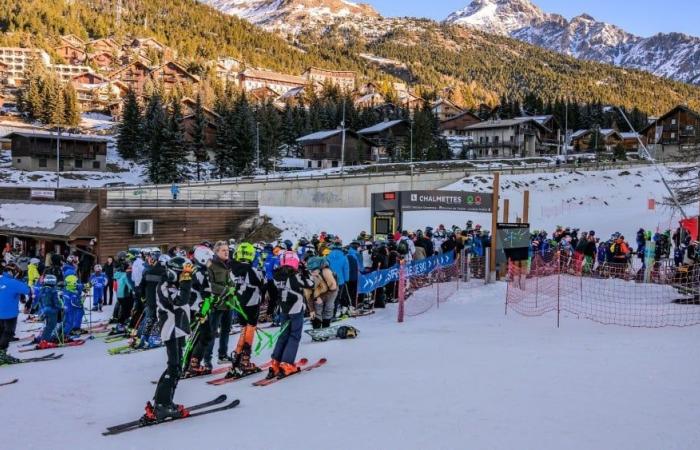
{"type": "Point", "coordinates": [58, 112]}
{"type": "Point", "coordinates": [225, 147]}
{"type": "Point", "coordinates": [130, 141]}
{"type": "Point", "coordinates": [243, 136]}
{"type": "Point", "coordinates": [70, 103]}
{"type": "Point", "coordinates": [172, 149]}
{"type": "Point", "coordinates": [154, 135]}
{"type": "Point", "coordinates": [198, 144]}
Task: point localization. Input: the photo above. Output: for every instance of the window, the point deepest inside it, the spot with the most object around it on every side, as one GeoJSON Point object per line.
{"type": "Point", "coordinates": [335, 164]}
{"type": "Point", "coordinates": [19, 160]}
{"type": "Point", "coordinates": [495, 139]}
{"type": "Point", "coordinates": [95, 164]}
{"type": "Point", "coordinates": [512, 138]}
{"type": "Point", "coordinates": [673, 135]}
{"type": "Point", "coordinates": [673, 121]}
{"type": "Point", "coordinates": [43, 162]}
{"type": "Point", "coordinates": [78, 164]}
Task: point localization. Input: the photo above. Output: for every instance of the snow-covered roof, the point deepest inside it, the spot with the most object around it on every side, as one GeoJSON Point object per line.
{"type": "Point", "coordinates": [381, 126]}
{"type": "Point", "coordinates": [578, 133]}
{"type": "Point", "coordinates": [505, 123]}
{"type": "Point", "coordinates": [22, 217]}
{"type": "Point", "coordinates": [319, 136]}
{"type": "Point", "coordinates": [539, 119]}
{"type": "Point", "coordinates": [65, 136]}
{"type": "Point", "coordinates": [629, 135]}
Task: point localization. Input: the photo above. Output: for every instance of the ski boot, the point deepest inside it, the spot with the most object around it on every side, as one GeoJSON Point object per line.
{"type": "Point", "coordinates": [274, 370]}
{"type": "Point", "coordinates": [224, 359]}
{"type": "Point", "coordinates": [208, 365]}
{"type": "Point", "coordinates": [316, 323]}
{"type": "Point", "coordinates": [160, 412]}
{"type": "Point", "coordinates": [5, 358]}
{"type": "Point", "coordinates": [195, 369]}
{"type": "Point", "coordinates": [43, 345]}
{"type": "Point", "coordinates": [287, 369]}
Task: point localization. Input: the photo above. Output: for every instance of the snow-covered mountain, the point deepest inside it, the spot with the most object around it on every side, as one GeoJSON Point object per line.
{"type": "Point", "coordinates": [292, 15]}
{"type": "Point", "coordinates": [672, 55]}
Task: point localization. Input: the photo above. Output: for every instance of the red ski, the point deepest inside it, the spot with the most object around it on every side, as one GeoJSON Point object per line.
{"type": "Point", "coordinates": [267, 382]}
{"type": "Point", "coordinates": [224, 380]}
{"type": "Point", "coordinates": [65, 344]}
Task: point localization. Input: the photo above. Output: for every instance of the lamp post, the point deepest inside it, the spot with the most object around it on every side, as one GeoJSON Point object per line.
{"type": "Point", "coordinates": [411, 144]}
{"type": "Point", "coordinates": [342, 142]}
{"type": "Point", "coordinates": [257, 146]}
{"type": "Point", "coordinates": [58, 157]}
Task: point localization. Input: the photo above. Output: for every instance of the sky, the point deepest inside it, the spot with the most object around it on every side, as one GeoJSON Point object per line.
{"type": "Point", "coordinates": [645, 18]}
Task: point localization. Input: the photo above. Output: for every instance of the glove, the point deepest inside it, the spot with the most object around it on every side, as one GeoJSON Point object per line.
{"type": "Point", "coordinates": [318, 301]}
{"type": "Point", "coordinates": [312, 315]}
{"type": "Point", "coordinates": [187, 271]}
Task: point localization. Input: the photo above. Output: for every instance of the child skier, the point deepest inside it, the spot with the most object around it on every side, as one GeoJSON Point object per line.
{"type": "Point", "coordinates": [98, 281]}
{"type": "Point", "coordinates": [173, 301]}
{"type": "Point", "coordinates": [73, 305]}
{"type": "Point", "coordinates": [291, 280]}
{"type": "Point", "coordinates": [49, 305]}
{"type": "Point", "coordinates": [249, 285]}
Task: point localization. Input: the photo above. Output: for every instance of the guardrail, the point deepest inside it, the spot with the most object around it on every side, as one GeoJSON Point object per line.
{"type": "Point", "coordinates": [135, 203]}
{"type": "Point", "coordinates": [417, 170]}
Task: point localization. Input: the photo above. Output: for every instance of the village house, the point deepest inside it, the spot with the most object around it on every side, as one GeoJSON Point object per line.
{"type": "Point", "coordinates": [630, 140]}
{"type": "Point", "coordinates": [172, 74]}
{"type": "Point", "coordinates": [370, 100]}
{"type": "Point", "coordinates": [672, 134]}
{"type": "Point", "coordinates": [17, 60]}
{"type": "Point", "coordinates": [71, 54]}
{"type": "Point", "coordinates": [33, 151]}
{"type": "Point", "coordinates": [102, 60]}
{"type": "Point", "coordinates": [96, 92]}
{"type": "Point", "coordinates": [251, 79]}
{"type": "Point", "coordinates": [455, 125]}
{"type": "Point", "coordinates": [3, 73]}
{"type": "Point", "coordinates": [388, 138]}
{"type": "Point", "coordinates": [323, 149]}
{"type": "Point", "coordinates": [262, 95]}
{"type": "Point", "coordinates": [518, 137]}
{"type": "Point", "coordinates": [444, 109]}
{"type": "Point", "coordinates": [66, 72]}
{"type": "Point", "coordinates": [210, 126]}
{"type": "Point", "coordinates": [149, 44]}
{"type": "Point", "coordinates": [293, 97]}
{"type": "Point", "coordinates": [227, 69]}
{"type": "Point", "coordinates": [71, 39]}
{"type": "Point", "coordinates": [586, 140]}
{"type": "Point", "coordinates": [133, 75]}
{"type": "Point", "coordinates": [343, 79]}
{"type": "Point", "coordinates": [105, 45]}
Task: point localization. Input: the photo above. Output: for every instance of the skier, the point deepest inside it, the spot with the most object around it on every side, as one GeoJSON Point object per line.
{"type": "Point", "coordinates": [125, 295]}
{"type": "Point", "coordinates": [219, 275]}
{"type": "Point", "coordinates": [338, 263]}
{"type": "Point", "coordinates": [154, 274]}
{"type": "Point", "coordinates": [325, 292]}
{"type": "Point", "coordinates": [50, 304]}
{"type": "Point", "coordinates": [291, 280]}
{"type": "Point", "coordinates": [11, 291]}
{"type": "Point", "coordinates": [272, 262]}
{"type": "Point", "coordinates": [173, 300]}
{"type": "Point", "coordinates": [72, 304]}
{"type": "Point", "coordinates": [201, 304]}
{"type": "Point", "coordinates": [98, 281]}
{"type": "Point", "coordinates": [249, 285]}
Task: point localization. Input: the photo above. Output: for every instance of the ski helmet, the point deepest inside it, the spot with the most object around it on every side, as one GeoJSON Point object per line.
{"type": "Point", "coordinates": [50, 280]}
{"type": "Point", "coordinates": [202, 255]}
{"type": "Point", "coordinates": [245, 252]}
{"type": "Point", "coordinates": [163, 260]}
{"type": "Point", "coordinates": [290, 259]}
{"type": "Point", "coordinates": [71, 283]}
{"type": "Point", "coordinates": [34, 261]}
{"type": "Point", "coordinates": [175, 267]}
{"type": "Point", "coordinates": [347, 332]}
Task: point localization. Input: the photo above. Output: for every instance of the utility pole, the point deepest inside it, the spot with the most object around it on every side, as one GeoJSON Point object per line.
{"type": "Point", "coordinates": [411, 146]}
{"type": "Point", "coordinates": [566, 127]}
{"type": "Point", "coordinates": [342, 143]}
{"type": "Point", "coordinates": [58, 157]}
{"type": "Point", "coordinates": [257, 146]}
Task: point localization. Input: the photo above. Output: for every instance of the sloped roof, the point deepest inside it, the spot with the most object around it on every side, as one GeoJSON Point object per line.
{"type": "Point", "coordinates": [62, 228]}
{"type": "Point", "coordinates": [318, 136]}
{"type": "Point", "coordinates": [381, 126]}
{"type": "Point", "coordinates": [64, 136]}
{"type": "Point", "coordinates": [273, 76]}
{"type": "Point", "coordinates": [505, 123]}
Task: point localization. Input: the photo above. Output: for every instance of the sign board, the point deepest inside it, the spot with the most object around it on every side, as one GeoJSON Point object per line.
{"type": "Point", "coordinates": [513, 241]}
{"type": "Point", "coordinates": [446, 201]}
{"type": "Point", "coordinates": [43, 193]}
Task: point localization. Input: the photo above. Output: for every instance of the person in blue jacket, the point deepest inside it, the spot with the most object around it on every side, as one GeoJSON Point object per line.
{"type": "Point", "coordinates": [69, 268]}
{"type": "Point", "coordinates": [98, 281]}
{"type": "Point", "coordinates": [354, 269]}
{"type": "Point", "coordinates": [72, 304]}
{"type": "Point", "coordinates": [50, 304]}
{"type": "Point", "coordinates": [11, 291]}
{"type": "Point", "coordinates": [271, 263]}
{"type": "Point", "coordinates": [338, 263]}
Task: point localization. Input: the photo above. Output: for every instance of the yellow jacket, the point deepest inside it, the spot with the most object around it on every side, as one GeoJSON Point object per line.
{"type": "Point", "coordinates": [32, 274]}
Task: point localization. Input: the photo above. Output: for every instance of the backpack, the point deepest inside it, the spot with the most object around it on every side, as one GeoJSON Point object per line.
{"type": "Point", "coordinates": [47, 295]}
{"type": "Point", "coordinates": [402, 248]}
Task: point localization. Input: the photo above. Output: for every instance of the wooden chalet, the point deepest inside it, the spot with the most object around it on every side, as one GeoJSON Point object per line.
{"type": "Point", "coordinates": [444, 109]}
{"type": "Point", "coordinates": [370, 100]}
{"type": "Point", "coordinates": [37, 151]}
{"type": "Point", "coordinates": [71, 39]}
{"type": "Point", "coordinates": [455, 126]}
{"type": "Point", "coordinates": [133, 75]}
{"type": "Point", "coordinates": [323, 149]}
{"type": "Point", "coordinates": [103, 60]}
{"type": "Point", "coordinates": [71, 54]}
{"type": "Point", "coordinates": [673, 134]}
{"type": "Point", "coordinates": [585, 140]}
{"type": "Point", "coordinates": [388, 138]}
{"type": "Point", "coordinates": [105, 45]}
{"type": "Point", "coordinates": [344, 79]}
{"type": "Point", "coordinates": [172, 74]}
{"type": "Point", "coordinates": [280, 83]}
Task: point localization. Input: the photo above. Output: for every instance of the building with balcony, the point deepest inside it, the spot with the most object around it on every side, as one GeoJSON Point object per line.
{"type": "Point", "coordinates": [16, 61]}
{"type": "Point", "coordinates": [673, 134]}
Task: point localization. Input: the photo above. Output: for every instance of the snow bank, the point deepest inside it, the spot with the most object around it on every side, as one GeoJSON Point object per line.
{"type": "Point", "coordinates": [32, 215]}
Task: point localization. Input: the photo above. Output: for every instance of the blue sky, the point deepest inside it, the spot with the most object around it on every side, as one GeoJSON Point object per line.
{"type": "Point", "coordinates": [641, 17]}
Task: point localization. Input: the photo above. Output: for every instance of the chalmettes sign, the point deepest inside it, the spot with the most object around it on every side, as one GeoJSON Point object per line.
{"type": "Point", "coordinates": [446, 201]}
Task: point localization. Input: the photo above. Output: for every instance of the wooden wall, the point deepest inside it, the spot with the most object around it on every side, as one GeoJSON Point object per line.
{"type": "Point", "coordinates": [171, 227]}
{"type": "Point", "coordinates": [98, 196]}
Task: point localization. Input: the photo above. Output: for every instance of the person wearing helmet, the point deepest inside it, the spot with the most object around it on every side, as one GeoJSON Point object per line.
{"type": "Point", "coordinates": [201, 303]}
{"type": "Point", "coordinates": [322, 302]}
{"type": "Point", "coordinates": [291, 280]}
{"type": "Point", "coordinates": [71, 266]}
{"type": "Point", "coordinates": [173, 303]}
{"type": "Point", "coordinates": [98, 281]}
{"type": "Point", "coordinates": [125, 296]}
{"type": "Point", "coordinates": [272, 262]}
{"type": "Point", "coordinates": [11, 292]}
{"type": "Point", "coordinates": [154, 274]}
{"type": "Point", "coordinates": [71, 294]}
{"type": "Point", "coordinates": [49, 304]}
{"type": "Point", "coordinates": [338, 263]}
{"type": "Point", "coordinates": [249, 285]}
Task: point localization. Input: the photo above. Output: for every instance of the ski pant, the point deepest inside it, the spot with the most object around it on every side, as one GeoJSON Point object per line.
{"type": "Point", "coordinates": [138, 310]}
{"type": "Point", "coordinates": [165, 391]}
{"type": "Point", "coordinates": [288, 343]}
{"type": "Point", "coordinates": [72, 319]}
{"type": "Point", "coordinates": [109, 292]}
{"type": "Point", "coordinates": [273, 296]}
{"type": "Point", "coordinates": [344, 295]}
{"type": "Point", "coordinates": [7, 332]}
{"type": "Point", "coordinates": [351, 292]}
{"type": "Point", "coordinates": [220, 319]}
{"type": "Point", "coordinates": [125, 305]}
{"type": "Point", "coordinates": [51, 318]}
{"type": "Point", "coordinates": [149, 318]}
{"type": "Point", "coordinates": [97, 296]}
{"type": "Point", "coordinates": [325, 308]}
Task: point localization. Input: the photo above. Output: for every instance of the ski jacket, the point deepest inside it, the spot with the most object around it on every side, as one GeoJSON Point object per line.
{"type": "Point", "coordinates": [32, 274]}
{"type": "Point", "coordinates": [249, 283]}
{"type": "Point", "coordinates": [338, 263]}
{"type": "Point", "coordinates": [220, 279]}
{"type": "Point", "coordinates": [200, 289]}
{"type": "Point", "coordinates": [271, 263]}
{"type": "Point", "coordinates": [48, 300]}
{"type": "Point", "coordinates": [173, 302]}
{"type": "Point", "coordinates": [10, 292]}
{"type": "Point", "coordinates": [124, 284]}
{"type": "Point", "coordinates": [137, 271]}
{"type": "Point", "coordinates": [354, 264]}
{"type": "Point", "coordinates": [291, 285]}
{"type": "Point", "coordinates": [152, 277]}
{"type": "Point", "coordinates": [71, 299]}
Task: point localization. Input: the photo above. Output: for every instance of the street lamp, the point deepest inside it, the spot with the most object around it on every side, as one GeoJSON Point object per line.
{"type": "Point", "coordinates": [257, 146]}
{"type": "Point", "coordinates": [58, 157]}
{"type": "Point", "coordinates": [342, 142]}
{"type": "Point", "coordinates": [411, 145]}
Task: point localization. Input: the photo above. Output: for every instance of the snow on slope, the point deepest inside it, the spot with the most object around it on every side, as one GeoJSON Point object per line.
{"type": "Point", "coordinates": [464, 376]}
{"type": "Point", "coordinates": [576, 199]}
{"type": "Point", "coordinates": [672, 55]}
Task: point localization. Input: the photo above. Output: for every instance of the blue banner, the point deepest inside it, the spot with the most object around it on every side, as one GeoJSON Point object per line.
{"type": "Point", "coordinates": [375, 280]}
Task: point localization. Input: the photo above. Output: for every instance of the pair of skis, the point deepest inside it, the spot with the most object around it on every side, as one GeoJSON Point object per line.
{"type": "Point", "coordinates": [75, 343]}
{"type": "Point", "coordinates": [301, 364]}
{"type": "Point", "coordinates": [200, 408]}
{"type": "Point", "coordinates": [48, 357]}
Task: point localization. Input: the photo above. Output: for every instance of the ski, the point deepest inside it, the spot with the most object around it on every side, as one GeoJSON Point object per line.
{"type": "Point", "coordinates": [9, 382]}
{"type": "Point", "coordinates": [114, 338]}
{"type": "Point", "coordinates": [217, 371]}
{"type": "Point", "coordinates": [226, 407]}
{"type": "Point", "coordinates": [49, 357]}
{"type": "Point", "coordinates": [216, 401]}
{"type": "Point", "coordinates": [128, 349]}
{"type": "Point", "coordinates": [66, 344]}
{"type": "Point", "coordinates": [224, 380]}
{"type": "Point", "coordinates": [267, 382]}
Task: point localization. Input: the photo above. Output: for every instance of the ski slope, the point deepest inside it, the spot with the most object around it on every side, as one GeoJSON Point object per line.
{"type": "Point", "coordinates": [461, 376]}
{"type": "Point", "coordinates": [604, 201]}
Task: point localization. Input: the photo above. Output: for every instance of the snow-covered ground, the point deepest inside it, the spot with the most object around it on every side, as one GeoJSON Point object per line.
{"type": "Point", "coordinates": [461, 376]}
{"type": "Point", "coordinates": [603, 201]}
